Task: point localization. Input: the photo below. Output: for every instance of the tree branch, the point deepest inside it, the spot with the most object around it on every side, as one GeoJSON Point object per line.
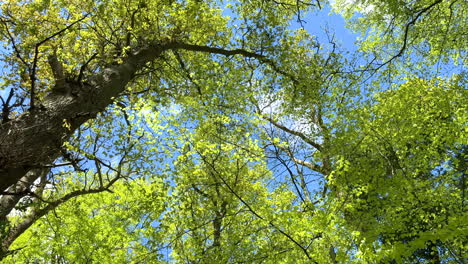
{"type": "Point", "coordinates": [293, 132]}
{"type": "Point", "coordinates": [35, 214]}
{"type": "Point", "coordinates": [10, 198]}
{"type": "Point", "coordinates": [406, 33]}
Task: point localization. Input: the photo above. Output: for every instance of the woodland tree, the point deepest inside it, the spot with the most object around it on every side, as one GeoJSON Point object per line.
{"type": "Point", "coordinates": [217, 132]}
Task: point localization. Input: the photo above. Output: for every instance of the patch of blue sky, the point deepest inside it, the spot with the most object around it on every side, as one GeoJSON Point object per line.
{"type": "Point", "coordinates": [4, 71]}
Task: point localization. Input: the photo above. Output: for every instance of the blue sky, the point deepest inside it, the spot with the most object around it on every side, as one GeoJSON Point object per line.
{"type": "Point", "coordinates": [317, 22]}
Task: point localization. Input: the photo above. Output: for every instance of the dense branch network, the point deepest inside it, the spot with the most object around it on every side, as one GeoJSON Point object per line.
{"type": "Point", "coordinates": [42, 131]}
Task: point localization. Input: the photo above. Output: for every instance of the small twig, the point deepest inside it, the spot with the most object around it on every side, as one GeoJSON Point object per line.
{"type": "Point", "coordinates": [13, 43]}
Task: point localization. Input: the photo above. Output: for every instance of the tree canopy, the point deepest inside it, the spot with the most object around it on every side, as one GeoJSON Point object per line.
{"type": "Point", "coordinates": [169, 131]}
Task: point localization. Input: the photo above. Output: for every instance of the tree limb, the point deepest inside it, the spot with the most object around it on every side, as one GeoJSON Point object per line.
{"type": "Point", "coordinates": [35, 214]}
{"type": "Point", "coordinates": [292, 132]}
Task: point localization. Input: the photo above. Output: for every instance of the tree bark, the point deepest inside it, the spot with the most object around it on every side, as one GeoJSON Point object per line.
{"type": "Point", "coordinates": [18, 191]}
{"type": "Point", "coordinates": [34, 138]}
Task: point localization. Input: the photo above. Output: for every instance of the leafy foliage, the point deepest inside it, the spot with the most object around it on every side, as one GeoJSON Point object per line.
{"type": "Point", "coordinates": [212, 132]}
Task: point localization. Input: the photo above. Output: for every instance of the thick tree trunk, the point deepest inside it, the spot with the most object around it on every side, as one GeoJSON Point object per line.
{"type": "Point", "coordinates": [34, 138]}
